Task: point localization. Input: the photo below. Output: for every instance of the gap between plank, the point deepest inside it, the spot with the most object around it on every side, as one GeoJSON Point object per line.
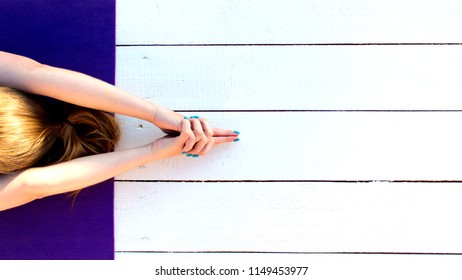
{"type": "Point", "coordinates": [289, 45]}
{"type": "Point", "coordinates": [296, 181]}
{"type": "Point", "coordinates": [324, 111]}
{"type": "Point", "coordinates": [289, 253]}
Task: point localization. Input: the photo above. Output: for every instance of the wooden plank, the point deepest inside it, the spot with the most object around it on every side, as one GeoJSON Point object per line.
{"type": "Point", "coordinates": [286, 22]}
{"type": "Point", "coordinates": [288, 217]}
{"type": "Point", "coordinates": [315, 146]}
{"type": "Point", "coordinates": [294, 78]}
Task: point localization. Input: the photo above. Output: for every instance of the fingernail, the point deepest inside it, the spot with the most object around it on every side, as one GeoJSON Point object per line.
{"type": "Point", "coordinates": [236, 132]}
{"type": "Point", "coordinates": [185, 118]}
{"type": "Point", "coordinates": [195, 156]}
{"type": "Point", "coordinates": [236, 140]}
{"type": "Point", "coordinates": [195, 117]}
{"type": "Point", "coordinates": [189, 155]}
{"type": "Point", "coordinates": [184, 153]}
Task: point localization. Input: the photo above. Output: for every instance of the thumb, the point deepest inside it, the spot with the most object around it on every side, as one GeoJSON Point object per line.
{"type": "Point", "coordinates": [185, 135]}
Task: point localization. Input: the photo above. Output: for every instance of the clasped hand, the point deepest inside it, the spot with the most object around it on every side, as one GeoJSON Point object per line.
{"type": "Point", "coordinates": [192, 136]}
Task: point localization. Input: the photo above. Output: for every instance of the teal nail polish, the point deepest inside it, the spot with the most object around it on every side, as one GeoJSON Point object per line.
{"type": "Point", "coordinates": [185, 118]}
{"type": "Point", "coordinates": [236, 140]}
{"type": "Point", "coordinates": [183, 153]}
{"type": "Point", "coordinates": [195, 156]}
{"type": "Point", "coordinates": [195, 117]}
{"type": "Point", "coordinates": [237, 132]}
{"type": "Point", "coordinates": [189, 155]}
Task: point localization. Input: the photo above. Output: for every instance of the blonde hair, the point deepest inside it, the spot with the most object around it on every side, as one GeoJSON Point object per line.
{"type": "Point", "coordinates": [39, 131]}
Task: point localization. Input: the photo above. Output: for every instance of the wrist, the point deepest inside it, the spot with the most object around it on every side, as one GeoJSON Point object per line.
{"type": "Point", "coordinates": [166, 119]}
{"type": "Point", "coordinates": [153, 109]}
{"type": "Point", "coordinates": [149, 151]}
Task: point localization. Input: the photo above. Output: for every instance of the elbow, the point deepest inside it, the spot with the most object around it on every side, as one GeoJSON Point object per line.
{"type": "Point", "coordinates": [31, 187]}
{"type": "Point", "coordinates": [17, 190]}
{"type": "Point", "coordinates": [33, 78]}
{"type": "Point", "coordinates": [32, 191]}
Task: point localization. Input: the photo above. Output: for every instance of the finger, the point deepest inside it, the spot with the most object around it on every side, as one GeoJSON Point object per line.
{"type": "Point", "coordinates": [208, 131]}
{"type": "Point", "coordinates": [207, 128]}
{"type": "Point", "coordinates": [225, 139]}
{"type": "Point", "coordinates": [200, 137]}
{"type": "Point", "coordinates": [187, 136]}
{"type": "Point", "coordinates": [218, 140]}
{"type": "Point", "coordinates": [197, 129]}
{"type": "Point", "coordinates": [181, 139]}
{"type": "Point", "coordinates": [199, 147]}
{"type": "Point", "coordinates": [207, 147]}
{"type": "Point", "coordinates": [224, 132]}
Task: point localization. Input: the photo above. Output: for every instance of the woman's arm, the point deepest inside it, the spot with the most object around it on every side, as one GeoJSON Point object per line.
{"type": "Point", "coordinates": [34, 183]}
{"type": "Point", "coordinates": [31, 76]}
{"type": "Point", "coordinates": [23, 187]}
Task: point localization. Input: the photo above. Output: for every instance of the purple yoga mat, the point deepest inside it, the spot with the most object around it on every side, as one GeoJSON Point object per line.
{"type": "Point", "coordinates": [77, 35]}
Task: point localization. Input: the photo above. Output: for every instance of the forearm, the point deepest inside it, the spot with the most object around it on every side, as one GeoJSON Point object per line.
{"type": "Point", "coordinates": [83, 172]}
{"type": "Point", "coordinates": [21, 188]}
{"type": "Point", "coordinates": [30, 76]}
{"type": "Point", "coordinates": [86, 91]}
{"type": "Point", "coordinates": [26, 186]}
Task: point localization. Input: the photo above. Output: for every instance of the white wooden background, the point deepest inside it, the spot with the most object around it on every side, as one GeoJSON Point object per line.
{"type": "Point", "coordinates": [350, 118]}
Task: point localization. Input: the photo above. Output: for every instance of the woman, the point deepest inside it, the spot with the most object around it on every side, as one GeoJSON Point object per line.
{"type": "Point", "coordinates": [55, 136]}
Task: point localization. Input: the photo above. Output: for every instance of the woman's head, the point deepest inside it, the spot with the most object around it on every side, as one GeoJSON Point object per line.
{"type": "Point", "coordinates": [37, 131]}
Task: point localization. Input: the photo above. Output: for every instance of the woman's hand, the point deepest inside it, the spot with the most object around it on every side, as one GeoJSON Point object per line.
{"type": "Point", "coordinates": [196, 138]}
{"type": "Point", "coordinates": [206, 137]}
{"type": "Point", "coordinates": [169, 145]}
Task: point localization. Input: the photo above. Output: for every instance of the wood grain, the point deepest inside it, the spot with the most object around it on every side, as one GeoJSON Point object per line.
{"type": "Point", "coordinates": [295, 78]}
{"type": "Point", "coordinates": [349, 113]}
{"type": "Point", "coordinates": [291, 21]}
{"type": "Point", "coordinates": [288, 217]}
{"type": "Point", "coordinates": [316, 146]}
